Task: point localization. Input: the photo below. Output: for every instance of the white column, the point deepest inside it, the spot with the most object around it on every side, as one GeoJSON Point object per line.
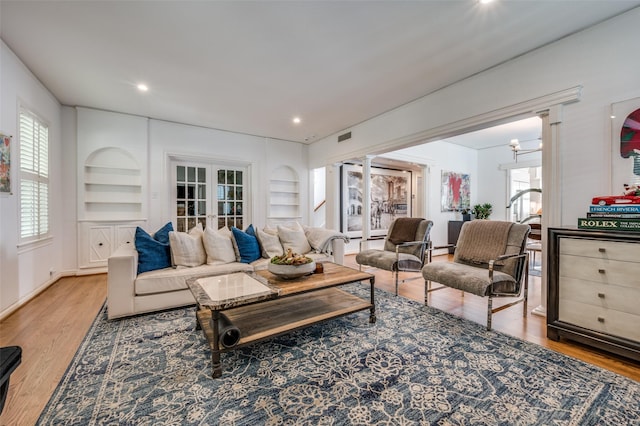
{"type": "Point", "coordinates": [366, 197]}
{"type": "Point", "coordinates": [332, 188]}
{"type": "Point", "coordinates": [424, 197]}
{"type": "Point", "coordinates": [551, 190]}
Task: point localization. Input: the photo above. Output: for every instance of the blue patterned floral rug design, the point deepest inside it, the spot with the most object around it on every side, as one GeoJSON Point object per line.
{"type": "Point", "coordinates": [415, 366]}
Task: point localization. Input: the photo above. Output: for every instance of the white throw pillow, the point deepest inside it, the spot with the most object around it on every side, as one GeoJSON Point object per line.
{"type": "Point", "coordinates": [187, 248]}
{"type": "Point", "coordinates": [269, 243]}
{"type": "Point", "coordinates": [293, 239]}
{"type": "Point", "coordinates": [219, 246]}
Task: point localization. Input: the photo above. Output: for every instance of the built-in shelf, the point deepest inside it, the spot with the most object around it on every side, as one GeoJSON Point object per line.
{"type": "Point", "coordinates": [284, 194]}
{"type": "Point", "coordinates": [112, 183]}
{"type": "Point", "coordinates": [135, 185]}
{"type": "Point", "coordinates": [109, 167]}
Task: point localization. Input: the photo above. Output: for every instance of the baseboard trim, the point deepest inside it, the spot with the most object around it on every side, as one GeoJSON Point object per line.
{"type": "Point", "coordinates": [54, 278]}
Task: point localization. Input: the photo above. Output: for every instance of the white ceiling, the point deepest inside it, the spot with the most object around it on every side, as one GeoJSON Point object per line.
{"type": "Point", "coordinates": [250, 66]}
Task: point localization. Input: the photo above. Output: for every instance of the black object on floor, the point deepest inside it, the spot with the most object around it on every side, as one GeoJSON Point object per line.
{"type": "Point", "coordinates": [10, 358]}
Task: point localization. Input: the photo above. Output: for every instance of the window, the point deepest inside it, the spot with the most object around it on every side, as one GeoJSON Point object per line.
{"type": "Point", "coordinates": [34, 177]}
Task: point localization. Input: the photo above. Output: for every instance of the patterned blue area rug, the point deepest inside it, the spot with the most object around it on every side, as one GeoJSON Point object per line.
{"type": "Point", "coordinates": [415, 366]}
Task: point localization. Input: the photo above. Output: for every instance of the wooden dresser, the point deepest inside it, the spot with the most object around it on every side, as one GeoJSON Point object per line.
{"type": "Point", "coordinates": [594, 289]}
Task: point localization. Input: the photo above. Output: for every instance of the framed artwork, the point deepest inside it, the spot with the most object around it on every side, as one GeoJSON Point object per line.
{"type": "Point", "coordinates": [625, 145]}
{"type": "Point", "coordinates": [455, 194]}
{"type": "Point", "coordinates": [5, 163]}
{"type": "Point", "coordinates": [390, 198]}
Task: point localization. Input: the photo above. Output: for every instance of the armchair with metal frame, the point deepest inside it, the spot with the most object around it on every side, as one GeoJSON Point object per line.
{"type": "Point", "coordinates": [405, 248]}
{"type": "Point", "coordinates": [490, 261]}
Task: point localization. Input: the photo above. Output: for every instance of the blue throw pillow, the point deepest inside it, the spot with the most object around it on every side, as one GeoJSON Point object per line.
{"type": "Point", "coordinates": [247, 244]}
{"type": "Point", "coordinates": [162, 234]}
{"type": "Point", "coordinates": [153, 252]}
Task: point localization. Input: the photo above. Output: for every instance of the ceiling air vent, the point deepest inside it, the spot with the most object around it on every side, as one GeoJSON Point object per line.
{"type": "Point", "coordinates": [344, 137]}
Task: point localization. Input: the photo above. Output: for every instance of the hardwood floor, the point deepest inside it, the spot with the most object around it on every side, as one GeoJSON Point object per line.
{"type": "Point", "coordinates": [51, 327]}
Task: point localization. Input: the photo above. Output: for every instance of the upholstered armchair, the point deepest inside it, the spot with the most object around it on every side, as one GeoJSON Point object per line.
{"type": "Point", "coordinates": [490, 260]}
{"type": "Point", "coordinates": [405, 247]}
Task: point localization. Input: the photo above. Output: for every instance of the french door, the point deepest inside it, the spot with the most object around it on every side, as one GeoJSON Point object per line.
{"type": "Point", "coordinates": [209, 194]}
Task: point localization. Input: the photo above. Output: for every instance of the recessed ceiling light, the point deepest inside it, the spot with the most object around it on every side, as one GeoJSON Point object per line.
{"type": "Point", "coordinates": [484, 1]}
{"type": "Point", "coordinates": [296, 120]}
{"type": "Point", "coordinates": [142, 87]}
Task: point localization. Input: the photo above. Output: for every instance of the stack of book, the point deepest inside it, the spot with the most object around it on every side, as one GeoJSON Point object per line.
{"type": "Point", "coordinates": [612, 218]}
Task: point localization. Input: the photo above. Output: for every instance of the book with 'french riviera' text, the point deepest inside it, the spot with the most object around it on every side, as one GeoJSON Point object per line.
{"type": "Point", "coordinates": [615, 209]}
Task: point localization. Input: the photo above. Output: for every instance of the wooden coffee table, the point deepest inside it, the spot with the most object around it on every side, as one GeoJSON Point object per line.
{"type": "Point", "coordinates": [261, 306]}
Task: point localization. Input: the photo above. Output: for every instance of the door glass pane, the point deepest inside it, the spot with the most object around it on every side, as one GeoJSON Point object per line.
{"type": "Point", "coordinates": [193, 192]}
{"type": "Point", "coordinates": [231, 192]}
{"type": "Point", "coordinates": [191, 198]}
{"type": "Point", "coordinates": [526, 196]}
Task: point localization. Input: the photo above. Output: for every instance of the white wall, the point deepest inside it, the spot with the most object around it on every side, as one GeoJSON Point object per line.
{"type": "Point", "coordinates": [261, 155]}
{"type": "Point", "coordinates": [75, 133]}
{"type": "Point", "coordinates": [442, 156]}
{"type": "Point", "coordinates": [599, 59]}
{"type": "Point", "coordinates": [493, 176]}
{"type": "Point", "coordinates": [25, 270]}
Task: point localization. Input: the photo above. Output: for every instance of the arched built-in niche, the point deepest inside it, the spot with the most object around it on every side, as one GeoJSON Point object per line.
{"type": "Point", "coordinates": [284, 195]}
{"type": "Point", "coordinates": [112, 186]}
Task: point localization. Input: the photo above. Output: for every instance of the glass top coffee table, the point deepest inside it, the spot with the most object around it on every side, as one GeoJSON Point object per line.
{"type": "Point", "coordinates": [258, 305]}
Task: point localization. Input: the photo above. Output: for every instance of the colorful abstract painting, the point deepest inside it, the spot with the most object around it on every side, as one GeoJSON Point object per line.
{"type": "Point", "coordinates": [625, 145]}
{"type": "Point", "coordinates": [455, 191]}
{"type": "Point", "coordinates": [630, 140]}
{"type": "Point", "coordinates": [5, 163]}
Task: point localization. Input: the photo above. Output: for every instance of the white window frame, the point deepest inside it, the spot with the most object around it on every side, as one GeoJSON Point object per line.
{"type": "Point", "coordinates": [34, 186]}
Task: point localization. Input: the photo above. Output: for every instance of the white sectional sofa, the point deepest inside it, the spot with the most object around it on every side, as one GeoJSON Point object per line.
{"type": "Point", "coordinates": [130, 293]}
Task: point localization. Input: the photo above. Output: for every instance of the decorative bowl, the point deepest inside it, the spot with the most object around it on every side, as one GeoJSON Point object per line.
{"type": "Point", "coordinates": [289, 272]}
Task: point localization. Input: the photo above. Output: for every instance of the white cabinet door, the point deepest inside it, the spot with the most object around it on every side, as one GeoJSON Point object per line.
{"type": "Point", "coordinates": [97, 240]}
{"type": "Point", "coordinates": [100, 243]}
{"type": "Point", "coordinates": [125, 234]}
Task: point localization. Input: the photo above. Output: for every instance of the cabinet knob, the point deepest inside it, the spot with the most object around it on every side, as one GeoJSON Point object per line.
{"type": "Point", "coordinates": [601, 295]}
{"type": "Point", "coordinates": [601, 271]}
{"type": "Point", "coordinates": [600, 319]}
{"type": "Point", "coordinates": [128, 242]}
{"type": "Point", "coordinates": [602, 249]}
{"type": "Point", "coordinates": [100, 244]}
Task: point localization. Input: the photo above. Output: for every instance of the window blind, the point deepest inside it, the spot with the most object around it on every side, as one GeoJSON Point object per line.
{"type": "Point", "coordinates": [34, 177]}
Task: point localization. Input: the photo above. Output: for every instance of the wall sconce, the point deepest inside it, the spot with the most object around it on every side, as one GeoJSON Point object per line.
{"type": "Point", "coordinates": [514, 144]}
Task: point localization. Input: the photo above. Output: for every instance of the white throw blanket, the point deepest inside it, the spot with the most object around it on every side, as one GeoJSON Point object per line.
{"type": "Point", "coordinates": [320, 238]}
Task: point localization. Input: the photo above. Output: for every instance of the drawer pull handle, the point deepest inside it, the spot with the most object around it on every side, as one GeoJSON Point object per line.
{"type": "Point", "coordinates": [602, 250]}
{"type": "Point", "coordinates": [601, 295]}
{"type": "Point", "coordinates": [600, 319]}
{"type": "Point", "coordinates": [602, 271]}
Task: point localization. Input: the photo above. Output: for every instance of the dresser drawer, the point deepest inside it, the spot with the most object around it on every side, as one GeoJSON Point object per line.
{"type": "Point", "coordinates": [601, 249]}
{"type": "Point", "coordinates": [605, 271]}
{"type": "Point", "coordinates": [624, 299]}
{"type": "Point", "coordinates": [603, 320]}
